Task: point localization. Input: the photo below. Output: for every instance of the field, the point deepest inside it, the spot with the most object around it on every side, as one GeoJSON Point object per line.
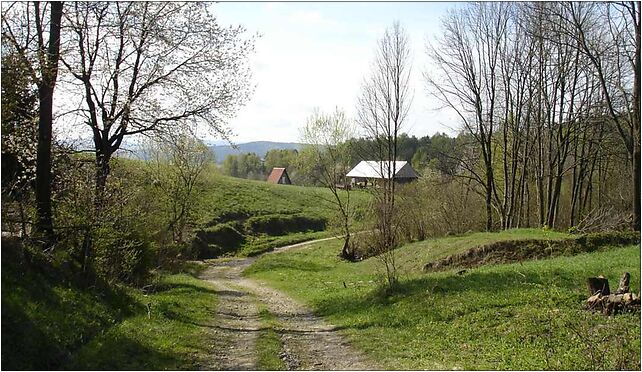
{"type": "Point", "coordinates": [525, 315]}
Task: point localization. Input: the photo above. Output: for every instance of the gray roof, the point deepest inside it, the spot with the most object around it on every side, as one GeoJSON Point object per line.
{"type": "Point", "coordinates": [382, 169]}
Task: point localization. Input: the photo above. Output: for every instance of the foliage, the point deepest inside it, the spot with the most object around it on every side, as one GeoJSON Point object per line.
{"type": "Point", "coordinates": [19, 126]}
{"type": "Point", "coordinates": [247, 165]}
{"type": "Point", "coordinates": [176, 165]}
{"type": "Point", "coordinates": [327, 156]}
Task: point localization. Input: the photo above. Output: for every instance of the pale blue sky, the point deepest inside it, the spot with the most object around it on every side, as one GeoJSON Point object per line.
{"type": "Point", "coordinates": [317, 54]}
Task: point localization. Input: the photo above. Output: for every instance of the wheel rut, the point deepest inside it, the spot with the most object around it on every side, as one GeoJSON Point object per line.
{"type": "Point", "coordinates": [309, 343]}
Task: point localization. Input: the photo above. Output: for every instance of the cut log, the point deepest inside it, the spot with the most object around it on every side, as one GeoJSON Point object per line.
{"type": "Point", "coordinates": [598, 284]}
{"type": "Point", "coordinates": [623, 287]}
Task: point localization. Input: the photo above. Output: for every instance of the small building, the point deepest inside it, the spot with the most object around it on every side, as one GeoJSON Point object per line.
{"type": "Point", "coordinates": [280, 176]}
{"type": "Point", "coordinates": [381, 170]}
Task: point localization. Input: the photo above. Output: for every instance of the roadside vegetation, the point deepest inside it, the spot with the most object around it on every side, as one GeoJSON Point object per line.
{"type": "Point", "coordinates": [526, 315]}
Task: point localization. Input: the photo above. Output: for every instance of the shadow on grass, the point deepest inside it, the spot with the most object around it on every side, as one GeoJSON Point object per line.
{"type": "Point", "coordinates": [175, 288]}
{"type": "Point", "coordinates": [496, 289]}
{"type": "Point", "coordinates": [46, 317]}
{"type": "Point", "coordinates": [288, 264]}
{"type": "Point", "coordinates": [116, 351]}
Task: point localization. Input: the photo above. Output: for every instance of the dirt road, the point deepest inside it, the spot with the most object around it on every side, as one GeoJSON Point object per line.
{"type": "Point", "coordinates": [308, 341]}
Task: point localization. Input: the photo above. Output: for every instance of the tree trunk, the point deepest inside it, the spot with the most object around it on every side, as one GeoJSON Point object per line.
{"type": "Point", "coordinates": [102, 172]}
{"type": "Point", "coordinates": [598, 285]}
{"type": "Point", "coordinates": [636, 117]}
{"type": "Point", "coordinates": [44, 223]}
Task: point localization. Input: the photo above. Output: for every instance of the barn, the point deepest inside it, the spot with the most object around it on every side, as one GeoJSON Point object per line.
{"type": "Point", "coordinates": [372, 171]}
{"type": "Point", "coordinates": [280, 176]}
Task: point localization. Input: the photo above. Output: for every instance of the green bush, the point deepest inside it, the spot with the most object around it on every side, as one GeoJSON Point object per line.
{"type": "Point", "coordinates": [122, 255]}
{"type": "Point", "coordinates": [278, 224]}
{"type": "Point", "coordinates": [217, 240]}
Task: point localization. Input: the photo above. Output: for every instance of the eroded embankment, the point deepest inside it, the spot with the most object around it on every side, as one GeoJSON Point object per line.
{"type": "Point", "coordinates": [509, 251]}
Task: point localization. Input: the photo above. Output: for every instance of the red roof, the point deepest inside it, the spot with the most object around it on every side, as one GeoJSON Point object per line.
{"type": "Point", "coordinates": [276, 175]}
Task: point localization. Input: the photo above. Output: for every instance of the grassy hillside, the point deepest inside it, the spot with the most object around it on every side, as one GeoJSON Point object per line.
{"type": "Point", "coordinates": [225, 195]}
{"type": "Point", "coordinates": [239, 216]}
{"type": "Point", "coordinates": [266, 215]}
{"type": "Point", "coordinates": [518, 316]}
{"type": "Point", "coordinates": [49, 322]}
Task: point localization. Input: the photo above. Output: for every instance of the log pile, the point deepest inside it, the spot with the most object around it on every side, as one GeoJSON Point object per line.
{"type": "Point", "coordinates": [601, 299]}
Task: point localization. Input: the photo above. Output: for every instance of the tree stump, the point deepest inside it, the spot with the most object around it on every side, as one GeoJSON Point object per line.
{"type": "Point", "coordinates": [598, 284]}
{"type": "Point", "coordinates": [622, 301]}
{"type": "Point", "coordinates": [623, 287]}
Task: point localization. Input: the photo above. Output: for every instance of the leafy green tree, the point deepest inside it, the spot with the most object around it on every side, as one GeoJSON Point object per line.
{"type": "Point", "coordinates": [326, 138]}
{"type": "Point", "coordinates": [177, 164]}
{"type": "Point", "coordinates": [231, 166]}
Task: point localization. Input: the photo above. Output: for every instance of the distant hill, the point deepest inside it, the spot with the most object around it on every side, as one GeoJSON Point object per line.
{"type": "Point", "coordinates": [259, 147]}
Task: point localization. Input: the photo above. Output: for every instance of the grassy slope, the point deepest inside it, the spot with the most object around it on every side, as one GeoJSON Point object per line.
{"type": "Point", "coordinates": [48, 323]}
{"type": "Point", "coordinates": [218, 195]}
{"type": "Point", "coordinates": [221, 194]}
{"type": "Point", "coordinates": [173, 334]}
{"type": "Point", "coordinates": [518, 316]}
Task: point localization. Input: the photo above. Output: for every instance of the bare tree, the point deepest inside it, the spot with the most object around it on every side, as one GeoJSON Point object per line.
{"type": "Point", "coordinates": [326, 138]}
{"type": "Point", "coordinates": [24, 30]}
{"type": "Point", "coordinates": [149, 67]}
{"type": "Point", "coordinates": [382, 110]}
{"type": "Point", "coordinates": [468, 78]}
{"type": "Point", "coordinates": [176, 164]}
{"type": "Point", "coordinates": [609, 35]}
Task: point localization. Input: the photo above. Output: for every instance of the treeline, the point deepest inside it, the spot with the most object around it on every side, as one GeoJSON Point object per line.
{"type": "Point", "coordinates": [549, 97]}
{"type": "Point", "coordinates": [437, 152]}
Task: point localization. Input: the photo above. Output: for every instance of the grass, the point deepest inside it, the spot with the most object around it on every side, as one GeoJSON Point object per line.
{"type": "Point", "coordinates": [172, 332]}
{"type": "Point", "coordinates": [412, 257]}
{"type": "Point", "coordinates": [48, 322]}
{"type": "Point", "coordinates": [267, 243]}
{"type": "Point", "coordinates": [223, 197]}
{"type": "Point", "coordinates": [221, 194]}
{"type": "Point", "coordinates": [268, 343]}
{"type": "Point", "coordinates": [518, 316]}
{"type": "Point", "coordinates": [45, 318]}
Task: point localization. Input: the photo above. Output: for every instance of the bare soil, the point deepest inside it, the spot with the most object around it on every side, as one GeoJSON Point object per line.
{"type": "Point", "coordinates": [309, 343]}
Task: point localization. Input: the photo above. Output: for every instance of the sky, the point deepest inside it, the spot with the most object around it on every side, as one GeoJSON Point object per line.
{"type": "Point", "coordinates": [316, 55]}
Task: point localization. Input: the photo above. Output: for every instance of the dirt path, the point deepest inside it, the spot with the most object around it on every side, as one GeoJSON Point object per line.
{"type": "Point", "coordinates": [308, 341]}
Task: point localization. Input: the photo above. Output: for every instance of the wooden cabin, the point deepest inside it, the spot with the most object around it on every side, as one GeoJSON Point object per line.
{"type": "Point", "coordinates": [279, 176]}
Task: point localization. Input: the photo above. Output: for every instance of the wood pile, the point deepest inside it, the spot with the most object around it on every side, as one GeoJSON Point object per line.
{"type": "Point", "coordinates": [601, 299]}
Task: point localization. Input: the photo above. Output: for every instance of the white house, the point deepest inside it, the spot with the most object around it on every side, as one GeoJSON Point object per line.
{"type": "Point", "coordinates": [382, 170]}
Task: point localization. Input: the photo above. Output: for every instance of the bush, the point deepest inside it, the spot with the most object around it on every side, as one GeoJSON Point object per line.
{"type": "Point", "coordinates": [122, 255]}
{"type": "Point", "coordinates": [277, 224]}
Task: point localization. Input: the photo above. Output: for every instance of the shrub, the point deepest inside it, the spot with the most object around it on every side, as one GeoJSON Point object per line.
{"type": "Point", "coordinates": [122, 255]}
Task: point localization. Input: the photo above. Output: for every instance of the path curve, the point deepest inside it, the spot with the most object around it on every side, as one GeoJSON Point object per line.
{"type": "Point", "coordinates": [309, 342]}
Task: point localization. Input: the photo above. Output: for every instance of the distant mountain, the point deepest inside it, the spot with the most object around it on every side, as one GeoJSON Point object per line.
{"type": "Point", "coordinates": [259, 147]}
